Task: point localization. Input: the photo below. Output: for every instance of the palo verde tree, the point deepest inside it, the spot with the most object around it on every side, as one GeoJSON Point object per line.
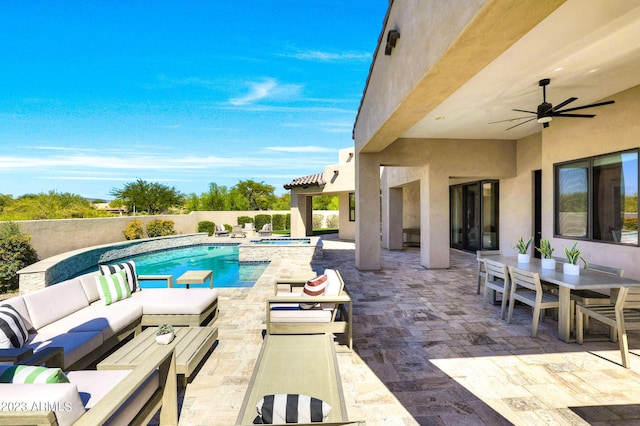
{"type": "Point", "coordinates": [259, 194]}
{"type": "Point", "coordinates": [151, 197]}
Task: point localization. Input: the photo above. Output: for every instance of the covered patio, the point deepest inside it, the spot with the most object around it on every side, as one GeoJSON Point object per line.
{"type": "Point", "coordinates": [426, 351]}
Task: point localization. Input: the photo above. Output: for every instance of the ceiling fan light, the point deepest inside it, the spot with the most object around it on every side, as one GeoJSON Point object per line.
{"type": "Point", "coordinates": [546, 119]}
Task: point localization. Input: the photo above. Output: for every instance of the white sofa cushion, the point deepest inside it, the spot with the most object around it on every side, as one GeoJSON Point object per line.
{"type": "Point", "coordinates": [55, 302]}
{"type": "Point", "coordinates": [76, 345]}
{"type": "Point", "coordinates": [94, 385]}
{"type": "Point", "coordinates": [297, 315]}
{"type": "Point", "coordinates": [89, 286]}
{"type": "Point", "coordinates": [175, 301]}
{"type": "Point", "coordinates": [61, 398]}
{"type": "Point", "coordinates": [109, 320]}
{"type": "Point", "coordinates": [13, 332]}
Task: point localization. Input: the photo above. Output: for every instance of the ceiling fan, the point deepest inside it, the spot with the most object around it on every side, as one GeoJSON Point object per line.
{"type": "Point", "coordinates": [546, 111]}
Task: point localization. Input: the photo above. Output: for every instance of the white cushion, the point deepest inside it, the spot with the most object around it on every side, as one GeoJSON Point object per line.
{"type": "Point", "coordinates": [314, 287]}
{"type": "Point", "coordinates": [113, 287]}
{"type": "Point", "coordinates": [94, 385]}
{"type": "Point", "coordinates": [76, 345]}
{"type": "Point", "coordinates": [62, 398]}
{"type": "Point", "coordinates": [54, 302]}
{"type": "Point", "coordinates": [89, 285]}
{"type": "Point", "coordinates": [13, 332]}
{"type": "Point", "coordinates": [176, 301]}
{"type": "Point", "coordinates": [297, 315]}
{"type": "Point", "coordinates": [18, 304]}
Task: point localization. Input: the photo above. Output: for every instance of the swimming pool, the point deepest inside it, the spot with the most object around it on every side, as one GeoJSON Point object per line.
{"type": "Point", "coordinates": [228, 271]}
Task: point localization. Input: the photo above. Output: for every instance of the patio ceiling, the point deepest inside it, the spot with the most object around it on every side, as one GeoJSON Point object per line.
{"type": "Point", "coordinates": [589, 49]}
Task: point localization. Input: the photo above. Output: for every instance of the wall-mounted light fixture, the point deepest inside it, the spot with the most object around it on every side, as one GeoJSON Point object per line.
{"type": "Point", "coordinates": [392, 38]}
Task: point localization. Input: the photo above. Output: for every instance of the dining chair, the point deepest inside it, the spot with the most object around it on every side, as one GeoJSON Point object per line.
{"type": "Point", "coordinates": [497, 279]}
{"type": "Point", "coordinates": [623, 315]}
{"type": "Point", "coordinates": [481, 271]}
{"type": "Point", "coordinates": [590, 297]}
{"type": "Point", "coordinates": [526, 288]}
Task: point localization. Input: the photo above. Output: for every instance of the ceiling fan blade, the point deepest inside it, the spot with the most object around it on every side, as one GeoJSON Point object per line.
{"type": "Point", "coordinates": [520, 124]}
{"type": "Point", "coordinates": [509, 119]}
{"type": "Point", "coordinates": [523, 110]}
{"type": "Point", "coordinates": [574, 115]}
{"type": "Point", "coordinates": [560, 105]}
{"type": "Point", "coordinates": [587, 106]}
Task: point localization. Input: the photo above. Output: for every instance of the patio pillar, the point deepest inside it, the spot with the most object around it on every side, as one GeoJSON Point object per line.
{"type": "Point", "coordinates": [367, 212]}
{"type": "Point", "coordinates": [392, 211]}
{"type": "Point", "coordinates": [299, 213]}
{"type": "Point", "coordinates": [434, 220]}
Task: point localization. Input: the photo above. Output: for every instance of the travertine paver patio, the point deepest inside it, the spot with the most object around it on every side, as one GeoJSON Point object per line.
{"type": "Point", "coordinates": [426, 352]}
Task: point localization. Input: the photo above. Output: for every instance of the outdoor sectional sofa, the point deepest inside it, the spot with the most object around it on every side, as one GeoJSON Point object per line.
{"type": "Point", "coordinates": [71, 315]}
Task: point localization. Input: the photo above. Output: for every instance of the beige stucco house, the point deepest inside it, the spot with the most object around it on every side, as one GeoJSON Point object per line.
{"type": "Point", "coordinates": [437, 116]}
{"type": "Point", "coordinates": [337, 179]}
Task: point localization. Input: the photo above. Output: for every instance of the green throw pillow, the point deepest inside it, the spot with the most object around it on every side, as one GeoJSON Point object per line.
{"type": "Point", "coordinates": [32, 374]}
{"type": "Point", "coordinates": [113, 287]}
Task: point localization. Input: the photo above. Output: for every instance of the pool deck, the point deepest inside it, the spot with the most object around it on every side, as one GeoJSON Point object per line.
{"type": "Point", "coordinates": [426, 352]}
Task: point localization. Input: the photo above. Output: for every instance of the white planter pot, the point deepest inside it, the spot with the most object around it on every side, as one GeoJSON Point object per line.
{"type": "Point", "coordinates": [164, 339]}
{"type": "Point", "coordinates": [524, 258]}
{"type": "Point", "coordinates": [571, 269]}
{"type": "Point", "coordinates": [548, 263]}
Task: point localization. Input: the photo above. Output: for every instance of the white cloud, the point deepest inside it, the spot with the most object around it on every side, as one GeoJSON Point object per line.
{"type": "Point", "coordinates": [304, 149]}
{"type": "Point", "coordinates": [318, 55]}
{"type": "Point", "coordinates": [268, 88]}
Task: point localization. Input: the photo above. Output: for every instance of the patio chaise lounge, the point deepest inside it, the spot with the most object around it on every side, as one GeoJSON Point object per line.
{"type": "Point", "coordinates": [286, 314]}
{"type": "Point", "coordinates": [221, 231]}
{"type": "Point", "coordinates": [95, 397]}
{"type": "Point", "coordinates": [266, 230]}
{"type": "Point", "coordinates": [237, 231]}
{"type": "Point", "coordinates": [296, 365]}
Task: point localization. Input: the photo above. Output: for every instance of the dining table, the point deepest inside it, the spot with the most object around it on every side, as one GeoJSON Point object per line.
{"type": "Point", "coordinates": [587, 279]}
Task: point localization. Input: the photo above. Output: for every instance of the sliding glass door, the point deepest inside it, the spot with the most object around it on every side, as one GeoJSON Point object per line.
{"type": "Point", "coordinates": [474, 216]}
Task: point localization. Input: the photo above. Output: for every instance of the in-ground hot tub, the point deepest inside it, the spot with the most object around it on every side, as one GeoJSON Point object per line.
{"type": "Point", "coordinates": [272, 248]}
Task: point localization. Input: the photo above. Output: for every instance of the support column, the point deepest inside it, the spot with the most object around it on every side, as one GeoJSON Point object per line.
{"type": "Point", "coordinates": [392, 210]}
{"type": "Point", "coordinates": [299, 214]}
{"type": "Point", "coordinates": [367, 212]}
{"type": "Point", "coordinates": [434, 219]}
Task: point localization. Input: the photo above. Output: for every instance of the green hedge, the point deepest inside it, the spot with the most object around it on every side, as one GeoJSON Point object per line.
{"type": "Point", "coordinates": [279, 222]}
{"type": "Point", "coordinates": [262, 219]}
{"type": "Point", "coordinates": [244, 219]}
{"type": "Point", "coordinates": [207, 226]}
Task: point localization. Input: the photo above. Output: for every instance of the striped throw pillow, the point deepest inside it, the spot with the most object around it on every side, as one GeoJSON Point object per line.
{"type": "Point", "coordinates": [314, 287]}
{"type": "Point", "coordinates": [13, 332]}
{"type": "Point", "coordinates": [129, 267]}
{"type": "Point", "coordinates": [113, 287]}
{"type": "Point", "coordinates": [291, 408]}
{"type": "Point", "coordinates": [32, 374]}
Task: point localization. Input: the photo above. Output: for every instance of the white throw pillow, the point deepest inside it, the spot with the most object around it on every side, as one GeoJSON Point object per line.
{"type": "Point", "coordinates": [13, 332]}
{"type": "Point", "coordinates": [314, 287]}
{"type": "Point", "coordinates": [129, 267]}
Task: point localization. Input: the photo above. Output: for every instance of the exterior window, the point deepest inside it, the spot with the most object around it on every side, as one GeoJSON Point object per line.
{"type": "Point", "coordinates": [597, 198]}
{"type": "Point", "coordinates": [352, 207]}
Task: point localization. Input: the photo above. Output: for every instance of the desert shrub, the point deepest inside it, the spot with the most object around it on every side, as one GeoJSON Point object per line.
{"type": "Point", "coordinates": [207, 226]}
{"type": "Point", "coordinates": [261, 219]}
{"type": "Point", "coordinates": [244, 219]}
{"type": "Point", "coordinates": [630, 223]}
{"type": "Point", "coordinates": [160, 228]}
{"type": "Point", "coordinates": [228, 227]}
{"type": "Point", "coordinates": [279, 222]}
{"type": "Point", "coordinates": [134, 230]}
{"type": "Point", "coordinates": [318, 220]}
{"type": "Point", "coordinates": [16, 253]}
{"type": "Point", "coordinates": [333, 221]}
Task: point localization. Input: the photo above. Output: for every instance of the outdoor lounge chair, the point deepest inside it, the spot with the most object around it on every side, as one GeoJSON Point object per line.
{"type": "Point", "coordinates": [237, 231]}
{"type": "Point", "coordinates": [221, 231]}
{"type": "Point", "coordinates": [285, 316]}
{"type": "Point", "coordinates": [99, 397]}
{"type": "Point", "coordinates": [265, 231]}
{"type": "Point", "coordinates": [297, 364]}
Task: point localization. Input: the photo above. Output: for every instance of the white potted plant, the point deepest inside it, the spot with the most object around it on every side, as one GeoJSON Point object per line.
{"type": "Point", "coordinates": [523, 256]}
{"type": "Point", "coordinates": [546, 251]}
{"type": "Point", "coordinates": [164, 334]}
{"type": "Point", "coordinates": [571, 267]}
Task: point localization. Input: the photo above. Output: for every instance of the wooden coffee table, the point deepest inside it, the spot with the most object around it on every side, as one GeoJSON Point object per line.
{"type": "Point", "coordinates": [191, 345]}
{"type": "Point", "coordinates": [196, 276]}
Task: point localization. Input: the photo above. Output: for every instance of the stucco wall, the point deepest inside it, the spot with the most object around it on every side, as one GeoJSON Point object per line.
{"type": "Point", "coordinates": [615, 128]}
{"type": "Point", "coordinates": [52, 237]}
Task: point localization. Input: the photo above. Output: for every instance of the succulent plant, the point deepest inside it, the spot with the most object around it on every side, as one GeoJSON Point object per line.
{"type": "Point", "coordinates": [522, 246]}
{"type": "Point", "coordinates": [573, 254]}
{"type": "Point", "coordinates": [545, 249]}
{"type": "Point", "coordinates": [164, 329]}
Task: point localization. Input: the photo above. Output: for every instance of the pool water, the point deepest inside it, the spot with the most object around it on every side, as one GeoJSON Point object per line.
{"type": "Point", "coordinates": [223, 260]}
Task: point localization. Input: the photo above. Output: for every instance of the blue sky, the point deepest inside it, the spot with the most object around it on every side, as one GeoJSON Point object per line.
{"type": "Point", "coordinates": [95, 94]}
